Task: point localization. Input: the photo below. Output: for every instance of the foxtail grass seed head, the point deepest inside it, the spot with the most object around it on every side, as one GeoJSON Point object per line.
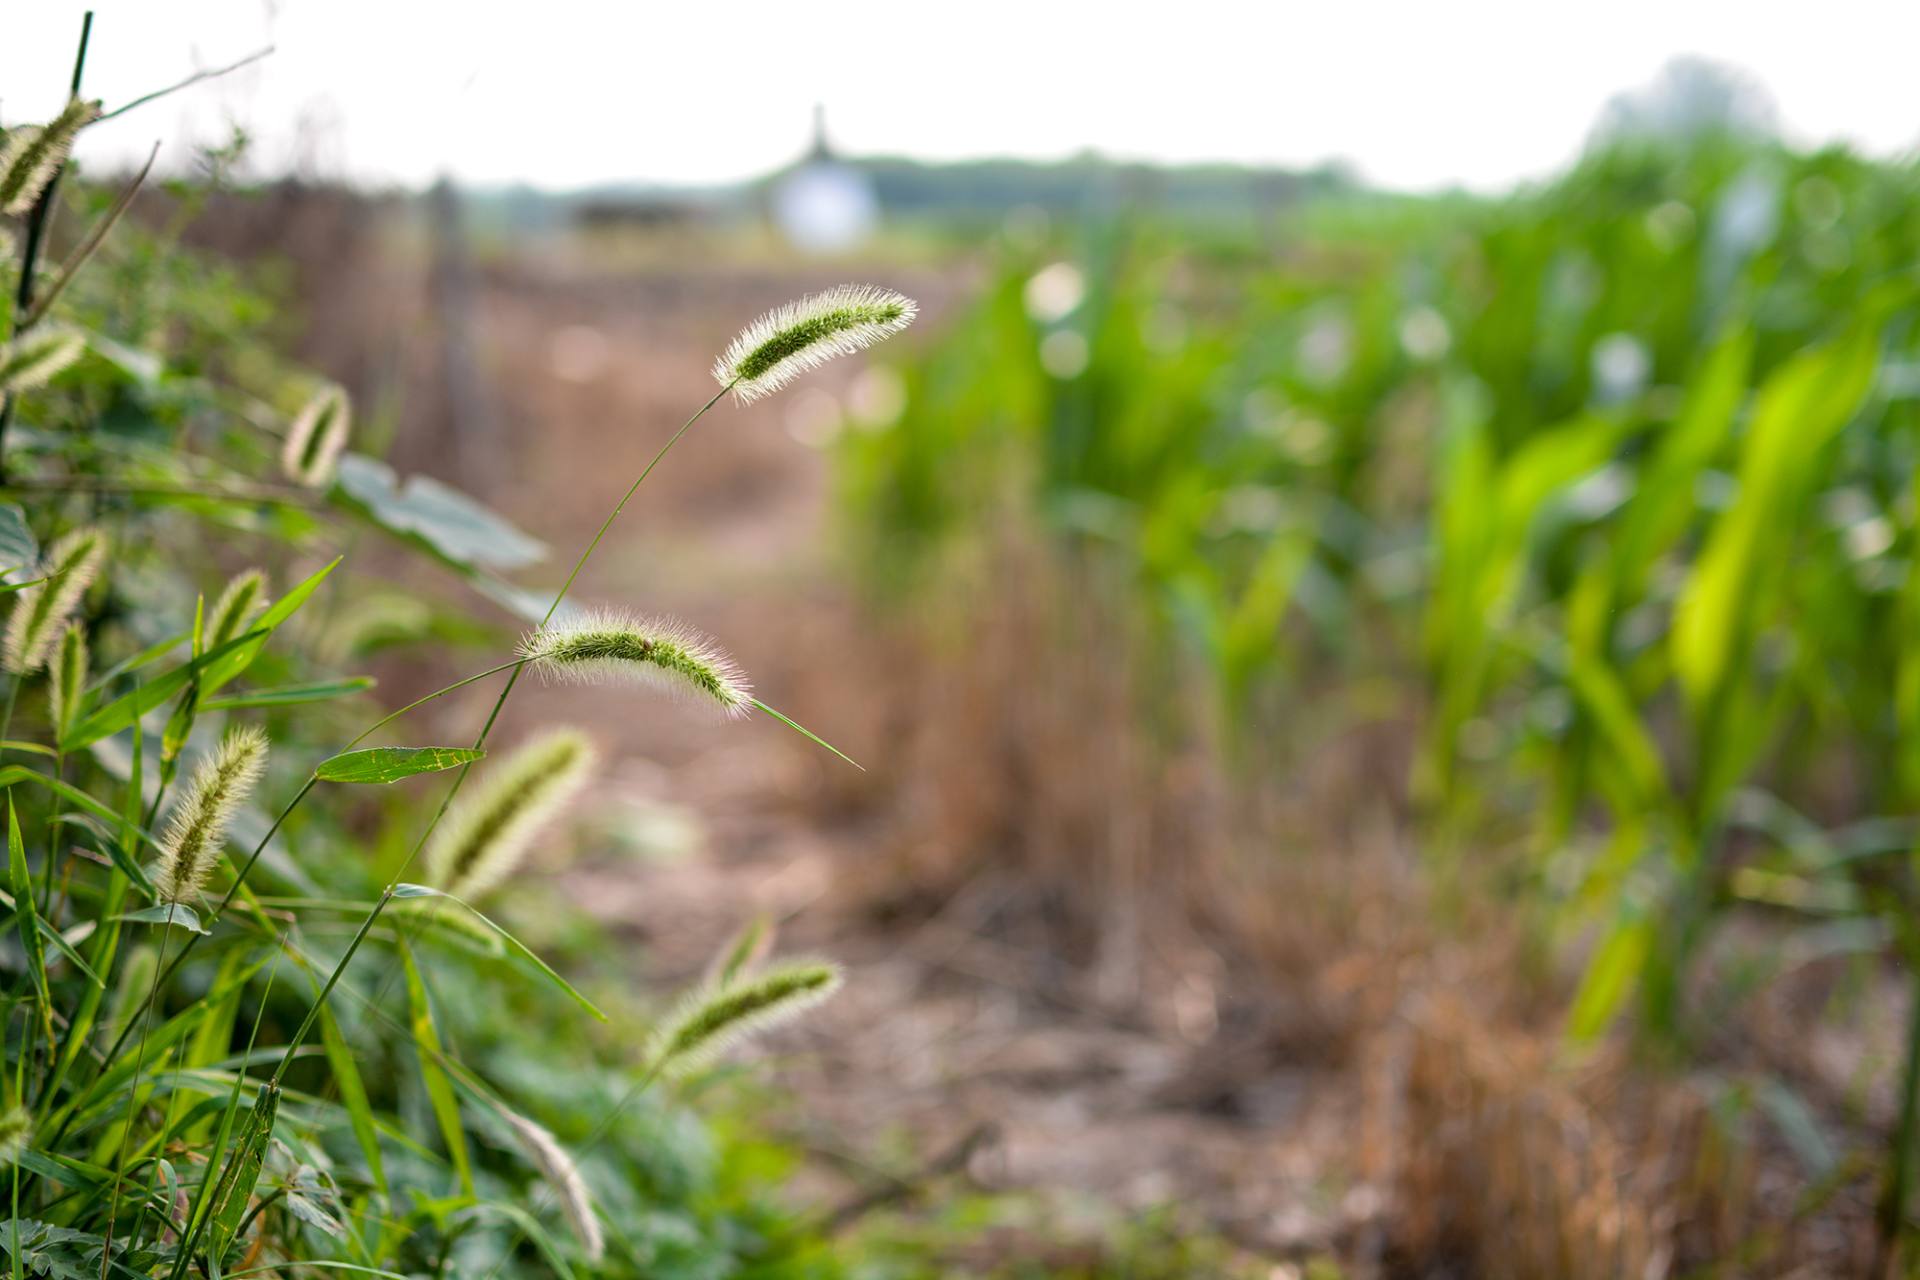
{"type": "Point", "coordinates": [485, 838]}
{"type": "Point", "coordinates": [787, 341]}
{"type": "Point", "coordinates": [316, 439]}
{"type": "Point", "coordinates": [613, 646]}
{"type": "Point", "coordinates": [32, 359]}
{"type": "Point", "coordinates": [33, 154]}
{"type": "Point", "coordinates": [198, 828]}
{"type": "Point", "coordinates": [711, 1021]}
{"type": "Point", "coordinates": [69, 567]}
{"type": "Point", "coordinates": [563, 1175]}
{"type": "Point", "coordinates": [239, 604]}
{"type": "Point", "coordinates": [16, 1131]}
{"type": "Point", "coordinates": [67, 678]}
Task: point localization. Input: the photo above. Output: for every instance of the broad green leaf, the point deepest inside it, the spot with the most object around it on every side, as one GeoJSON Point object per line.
{"type": "Point", "coordinates": [243, 1174]}
{"type": "Point", "coordinates": [1800, 409]}
{"type": "Point", "coordinates": [174, 913]}
{"type": "Point", "coordinates": [390, 764]}
{"type": "Point", "coordinates": [1611, 975]}
{"type": "Point", "coordinates": [426, 1040]}
{"type": "Point", "coordinates": [1605, 699]}
{"type": "Point", "coordinates": [442, 519]}
{"type": "Point", "coordinates": [18, 550]}
{"type": "Point", "coordinates": [1663, 501]}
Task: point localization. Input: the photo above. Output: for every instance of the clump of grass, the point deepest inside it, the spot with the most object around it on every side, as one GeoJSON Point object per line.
{"type": "Point", "coordinates": [317, 438]}
{"type": "Point", "coordinates": [658, 651]}
{"type": "Point", "coordinates": [33, 154]}
{"type": "Point", "coordinates": [71, 564]}
{"type": "Point", "coordinates": [712, 1020]}
{"type": "Point", "coordinates": [485, 837]}
{"type": "Point", "coordinates": [198, 827]}
{"type": "Point", "coordinates": [786, 342]}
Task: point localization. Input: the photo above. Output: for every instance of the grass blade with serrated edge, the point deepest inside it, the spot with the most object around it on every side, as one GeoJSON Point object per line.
{"type": "Point", "coordinates": [381, 765]}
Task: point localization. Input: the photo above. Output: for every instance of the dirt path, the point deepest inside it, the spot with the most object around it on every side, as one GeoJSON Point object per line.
{"type": "Point", "coordinates": [949, 1038]}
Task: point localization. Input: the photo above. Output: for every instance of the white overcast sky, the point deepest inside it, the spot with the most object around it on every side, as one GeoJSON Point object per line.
{"type": "Point", "coordinates": [562, 93]}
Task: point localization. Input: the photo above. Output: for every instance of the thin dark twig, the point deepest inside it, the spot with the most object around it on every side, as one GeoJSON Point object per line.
{"type": "Point", "coordinates": [36, 235]}
{"type": "Point", "coordinates": [190, 81]}
{"type": "Point", "coordinates": [79, 256]}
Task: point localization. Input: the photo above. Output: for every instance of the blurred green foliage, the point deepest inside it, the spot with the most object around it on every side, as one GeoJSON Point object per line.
{"type": "Point", "coordinates": [1613, 480]}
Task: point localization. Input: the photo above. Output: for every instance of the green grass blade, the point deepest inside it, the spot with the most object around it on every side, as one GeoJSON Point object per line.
{"type": "Point", "coordinates": [807, 733]}
{"type": "Point", "coordinates": [446, 1105]}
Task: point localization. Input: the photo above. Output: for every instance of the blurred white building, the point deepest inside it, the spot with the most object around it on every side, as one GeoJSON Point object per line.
{"type": "Point", "coordinates": [824, 206]}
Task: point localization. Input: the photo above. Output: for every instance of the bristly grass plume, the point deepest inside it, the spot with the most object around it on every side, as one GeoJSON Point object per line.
{"type": "Point", "coordinates": [198, 827]}
{"type": "Point", "coordinates": [239, 603]}
{"type": "Point", "coordinates": [67, 679]}
{"type": "Point", "coordinates": [70, 566]}
{"type": "Point", "coordinates": [613, 645]}
{"type": "Point", "coordinates": [16, 1130]}
{"type": "Point", "coordinates": [563, 1175]}
{"type": "Point", "coordinates": [317, 437]}
{"type": "Point", "coordinates": [485, 837]}
{"type": "Point", "coordinates": [32, 154]}
{"type": "Point", "coordinates": [712, 1020]}
{"type": "Point", "coordinates": [789, 340]}
{"type": "Point", "coordinates": [32, 359]}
